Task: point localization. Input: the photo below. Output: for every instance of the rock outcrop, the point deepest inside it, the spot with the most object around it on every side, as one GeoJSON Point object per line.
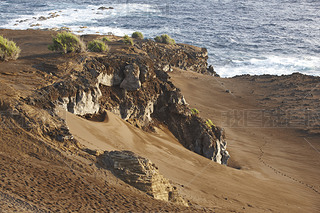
{"type": "Point", "coordinates": [184, 56]}
{"type": "Point", "coordinates": [140, 173]}
{"type": "Point", "coordinates": [135, 86]}
{"type": "Point", "coordinates": [131, 81]}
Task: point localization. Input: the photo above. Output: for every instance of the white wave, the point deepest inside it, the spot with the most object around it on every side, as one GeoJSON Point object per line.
{"type": "Point", "coordinates": [76, 18]}
{"type": "Point", "coordinates": [273, 65]}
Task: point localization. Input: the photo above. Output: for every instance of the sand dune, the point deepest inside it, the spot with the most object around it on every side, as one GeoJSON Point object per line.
{"type": "Point", "coordinates": [197, 178]}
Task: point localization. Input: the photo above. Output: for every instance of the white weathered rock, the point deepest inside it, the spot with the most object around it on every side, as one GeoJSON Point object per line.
{"type": "Point", "coordinates": [109, 79]}
{"type": "Point", "coordinates": [217, 157]}
{"type": "Point", "coordinates": [148, 111]}
{"type": "Point", "coordinates": [82, 103]}
{"type": "Point", "coordinates": [166, 68]}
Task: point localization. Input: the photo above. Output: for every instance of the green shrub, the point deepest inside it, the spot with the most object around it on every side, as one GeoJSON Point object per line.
{"type": "Point", "coordinates": [106, 39]}
{"type": "Point", "coordinates": [165, 39]}
{"type": "Point", "coordinates": [209, 123]}
{"type": "Point", "coordinates": [97, 46]}
{"type": "Point", "coordinates": [8, 50]}
{"type": "Point", "coordinates": [194, 111]}
{"type": "Point", "coordinates": [158, 39]}
{"type": "Point", "coordinates": [137, 35]}
{"type": "Point", "coordinates": [127, 40]}
{"type": "Point", "coordinates": [67, 42]}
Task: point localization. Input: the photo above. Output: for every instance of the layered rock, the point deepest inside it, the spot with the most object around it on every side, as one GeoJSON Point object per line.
{"type": "Point", "coordinates": [140, 173]}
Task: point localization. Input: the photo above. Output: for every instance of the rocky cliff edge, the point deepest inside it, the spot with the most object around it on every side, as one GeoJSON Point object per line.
{"type": "Point", "coordinates": [132, 82]}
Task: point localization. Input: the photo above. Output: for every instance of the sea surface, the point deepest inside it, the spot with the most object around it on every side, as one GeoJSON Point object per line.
{"type": "Point", "coordinates": [242, 36]}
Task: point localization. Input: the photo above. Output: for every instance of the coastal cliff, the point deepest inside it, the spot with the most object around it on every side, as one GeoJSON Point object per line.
{"type": "Point", "coordinates": [132, 82]}
{"type": "Point", "coordinates": [62, 148]}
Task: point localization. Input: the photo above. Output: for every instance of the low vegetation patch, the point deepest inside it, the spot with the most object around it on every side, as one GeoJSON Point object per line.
{"type": "Point", "coordinates": [127, 40]}
{"type": "Point", "coordinates": [106, 39]}
{"type": "Point", "coordinates": [97, 46]}
{"type": "Point", "coordinates": [67, 42]}
{"type": "Point", "coordinates": [8, 50]}
{"type": "Point", "coordinates": [165, 39]}
{"type": "Point", "coordinates": [209, 123]}
{"type": "Point", "coordinates": [137, 35]}
{"type": "Point", "coordinates": [194, 111]}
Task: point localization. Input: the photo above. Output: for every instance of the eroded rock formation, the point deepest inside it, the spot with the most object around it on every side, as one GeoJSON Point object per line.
{"type": "Point", "coordinates": [135, 86]}
{"type": "Point", "coordinates": [140, 173]}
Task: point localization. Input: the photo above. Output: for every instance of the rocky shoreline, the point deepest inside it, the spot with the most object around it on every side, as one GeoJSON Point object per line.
{"type": "Point", "coordinates": [157, 90]}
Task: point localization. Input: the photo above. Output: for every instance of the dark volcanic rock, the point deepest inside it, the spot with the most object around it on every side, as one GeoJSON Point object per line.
{"type": "Point", "coordinates": [131, 81]}
{"type": "Point", "coordinates": [135, 86]}
{"type": "Point", "coordinates": [183, 56]}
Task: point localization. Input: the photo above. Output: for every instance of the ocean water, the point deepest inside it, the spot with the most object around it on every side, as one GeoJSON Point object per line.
{"type": "Point", "coordinates": [242, 36]}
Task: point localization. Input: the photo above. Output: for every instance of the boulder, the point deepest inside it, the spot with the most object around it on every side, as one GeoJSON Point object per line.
{"type": "Point", "coordinates": [113, 79]}
{"type": "Point", "coordinates": [131, 81]}
{"type": "Point", "coordinates": [102, 8]}
{"type": "Point", "coordinates": [42, 18]}
{"type": "Point", "coordinates": [140, 173]}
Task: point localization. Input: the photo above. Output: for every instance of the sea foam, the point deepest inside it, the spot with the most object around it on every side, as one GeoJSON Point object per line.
{"type": "Point", "coordinates": [242, 42]}
{"type": "Point", "coordinates": [273, 65]}
{"type": "Point", "coordinates": [85, 20]}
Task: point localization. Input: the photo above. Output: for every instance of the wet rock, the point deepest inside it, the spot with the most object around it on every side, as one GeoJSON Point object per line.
{"type": "Point", "coordinates": [35, 25]}
{"type": "Point", "coordinates": [42, 18]}
{"type": "Point", "coordinates": [105, 8]}
{"type": "Point", "coordinates": [25, 20]}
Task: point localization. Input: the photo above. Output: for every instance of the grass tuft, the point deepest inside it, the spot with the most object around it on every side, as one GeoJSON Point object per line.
{"type": "Point", "coordinates": [8, 50]}
{"type": "Point", "coordinates": [97, 46]}
{"type": "Point", "coordinates": [210, 124]}
{"type": "Point", "coordinates": [137, 35]}
{"type": "Point", "coordinates": [165, 39]}
{"type": "Point", "coordinates": [67, 42]}
{"type": "Point", "coordinates": [127, 40]}
{"type": "Point", "coordinates": [194, 111]}
{"type": "Point", "coordinates": [106, 39]}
